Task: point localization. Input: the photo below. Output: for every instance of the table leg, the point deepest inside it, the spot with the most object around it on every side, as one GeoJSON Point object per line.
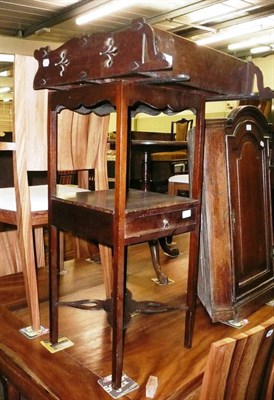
{"type": "Point", "coordinates": [155, 257]}
{"type": "Point", "coordinates": [165, 244]}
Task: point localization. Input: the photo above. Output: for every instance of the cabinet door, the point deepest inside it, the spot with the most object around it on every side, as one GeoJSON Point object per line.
{"type": "Point", "coordinates": [250, 213]}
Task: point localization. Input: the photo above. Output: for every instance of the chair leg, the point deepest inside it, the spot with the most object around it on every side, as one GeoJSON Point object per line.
{"type": "Point", "coordinates": [18, 255]}
{"type": "Point", "coordinates": [26, 244]}
{"type": "Point", "coordinates": [171, 189]}
{"type": "Point", "coordinates": [39, 247]}
{"type": "Point", "coordinates": [106, 261]}
{"type": "Point", "coordinates": [85, 249]}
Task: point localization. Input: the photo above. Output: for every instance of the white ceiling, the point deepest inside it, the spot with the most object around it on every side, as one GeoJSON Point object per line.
{"type": "Point", "coordinates": [54, 20]}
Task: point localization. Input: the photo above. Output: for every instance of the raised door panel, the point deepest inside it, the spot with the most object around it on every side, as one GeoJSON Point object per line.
{"type": "Point", "coordinates": [247, 160]}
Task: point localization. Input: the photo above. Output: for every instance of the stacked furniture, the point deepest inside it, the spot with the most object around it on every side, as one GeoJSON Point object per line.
{"type": "Point", "coordinates": [139, 69]}
{"type": "Point", "coordinates": [176, 160]}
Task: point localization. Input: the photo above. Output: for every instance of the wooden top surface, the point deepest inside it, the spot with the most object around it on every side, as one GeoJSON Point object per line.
{"type": "Point", "coordinates": [159, 143]}
{"type": "Point", "coordinates": [138, 201]}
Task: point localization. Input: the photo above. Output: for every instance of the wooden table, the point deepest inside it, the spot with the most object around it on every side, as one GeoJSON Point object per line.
{"type": "Point", "coordinates": [146, 147]}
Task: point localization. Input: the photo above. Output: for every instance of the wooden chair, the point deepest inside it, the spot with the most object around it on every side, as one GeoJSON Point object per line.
{"type": "Point", "coordinates": [179, 130]}
{"type": "Point", "coordinates": [242, 367]}
{"type": "Point", "coordinates": [263, 105]}
{"type": "Point", "coordinates": [170, 162]}
{"type": "Point", "coordinates": [27, 207]}
{"type": "Point", "coordinates": [178, 182]}
{"type": "Point", "coordinates": [182, 182]}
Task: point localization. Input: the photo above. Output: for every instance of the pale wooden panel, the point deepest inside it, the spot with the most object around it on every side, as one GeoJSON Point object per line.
{"type": "Point", "coordinates": [11, 262]}
{"type": "Point", "coordinates": [240, 368]}
{"type": "Point", "coordinates": [28, 125]}
{"type": "Point", "coordinates": [79, 139]}
{"type": "Point", "coordinates": [244, 356]}
{"type": "Point", "coordinates": [217, 369]}
{"type": "Point", "coordinates": [270, 383]}
{"type": "Point", "coordinates": [261, 363]}
{"type": "Point", "coordinates": [30, 113]}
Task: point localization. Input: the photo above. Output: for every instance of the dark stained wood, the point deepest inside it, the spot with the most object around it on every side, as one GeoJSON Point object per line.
{"type": "Point", "coordinates": [148, 54]}
{"type": "Point", "coordinates": [236, 267]}
{"type": "Point", "coordinates": [143, 135]}
{"type": "Point", "coordinates": [148, 215]}
{"type": "Point", "coordinates": [142, 176]}
{"type": "Point", "coordinates": [124, 95]}
{"type": "Point", "coordinates": [160, 76]}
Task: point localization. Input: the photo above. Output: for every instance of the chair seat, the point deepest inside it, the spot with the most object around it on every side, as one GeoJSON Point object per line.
{"type": "Point", "coordinates": [182, 178]}
{"type": "Point", "coordinates": [178, 182]}
{"type": "Point", "coordinates": [169, 156]}
{"type": "Point", "coordinates": [38, 196]}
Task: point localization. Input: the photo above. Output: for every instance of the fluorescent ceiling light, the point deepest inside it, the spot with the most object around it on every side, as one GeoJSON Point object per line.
{"type": "Point", "coordinates": [230, 34]}
{"type": "Point", "coordinates": [247, 44]}
{"type": "Point", "coordinates": [261, 49]}
{"type": "Point", "coordinates": [4, 73]}
{"type": "Point", "coordinates": [238, 30]}
{"type": "Point", "coordinates": [6, 57]}
{"type": "Point", "coordinates": [5, 89]}
{"type": "Point", "coordinates": [209, 12]}
{"type": "Point", "coordinates": [218, 12]}
{"type": "Point", "coordinates": [106, 9]}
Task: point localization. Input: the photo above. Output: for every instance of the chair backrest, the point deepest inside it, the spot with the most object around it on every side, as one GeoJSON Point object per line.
{"type": "Point", "coordinates": [236, 368]}
{"type": "Point", "coordinates": [30, 115]}
{"type": "Point", "coordinates": [263, 105]}
{"type": "Point", "coordinates": [82, 144]}
{"type": "Point", "coordinates": [78, 134]}
{"type": "Point", "coordinates": [180, 128]}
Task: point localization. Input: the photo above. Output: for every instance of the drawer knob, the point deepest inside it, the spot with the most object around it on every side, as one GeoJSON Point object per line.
{"type": "Point", "coordinates": [166, 223]}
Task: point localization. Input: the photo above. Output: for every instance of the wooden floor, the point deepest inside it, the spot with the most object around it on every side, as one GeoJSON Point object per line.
{"type": "Point", "coordinates": [153, 344]}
